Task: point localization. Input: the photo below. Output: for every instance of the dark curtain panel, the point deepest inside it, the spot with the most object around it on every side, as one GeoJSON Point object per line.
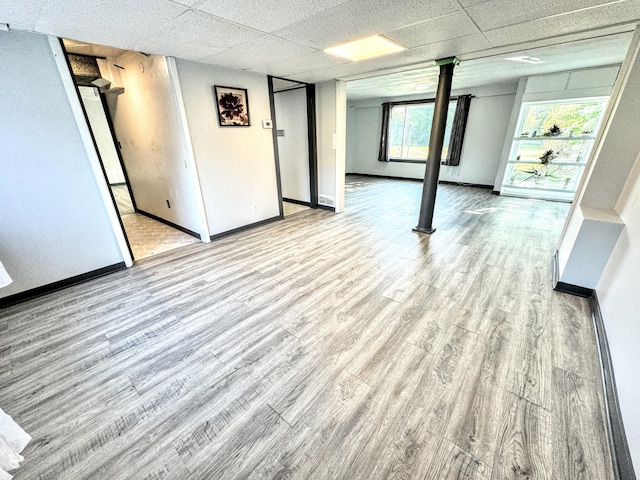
{"type": "Point", "coordinates": [383, 155]}
{"type": "Point", "coordinates": [457, 132]}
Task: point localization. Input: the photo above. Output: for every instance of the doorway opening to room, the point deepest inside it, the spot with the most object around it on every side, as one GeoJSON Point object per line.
{"type": "Point", "coordinates": [142, 187]}
{"type": "Point", "coordinates": [294, 122]}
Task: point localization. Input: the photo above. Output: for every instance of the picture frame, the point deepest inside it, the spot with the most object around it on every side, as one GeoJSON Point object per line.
{"type": "Point", "coordinates": [232, 106]}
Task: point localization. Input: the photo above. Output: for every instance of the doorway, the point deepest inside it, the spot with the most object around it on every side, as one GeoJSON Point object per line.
{"type": "Point", "coordinates": [146, 233]}
{"type": "Point", "coordinates": [145, 236]}
{"type": "Point", "coordinates": [293, 113]}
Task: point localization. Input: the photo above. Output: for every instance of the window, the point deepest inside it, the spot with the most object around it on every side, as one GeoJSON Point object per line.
{"type": "Point", "coordinates": [551, 148]}
{"type": "Point", "coordinates": [410, 131]}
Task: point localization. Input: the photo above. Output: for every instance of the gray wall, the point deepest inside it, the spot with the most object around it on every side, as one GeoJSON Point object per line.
{"type": "Point", "coordinates": [53, 224]}
{"type": "Point", "coordinates": [481, 151]}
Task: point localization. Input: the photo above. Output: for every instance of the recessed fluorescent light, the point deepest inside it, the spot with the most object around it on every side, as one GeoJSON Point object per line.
{"type": "Point", "coordinates": [368, 47]}
{"type": "Point", "coordinates": [422, 86]}
{"type": "Point", "coordinates": [525, 59]}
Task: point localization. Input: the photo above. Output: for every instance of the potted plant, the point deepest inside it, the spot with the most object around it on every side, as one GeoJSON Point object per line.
{"type": "Point", "coordinates": [554, 131]}
{"type": "Point", "coordinates": [547, 157]}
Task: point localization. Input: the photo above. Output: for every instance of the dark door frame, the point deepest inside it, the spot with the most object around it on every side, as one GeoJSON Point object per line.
{"type": "Point", "coordinates": [95, 145]}
{"type": "Point", "coordinates": [310, 90]}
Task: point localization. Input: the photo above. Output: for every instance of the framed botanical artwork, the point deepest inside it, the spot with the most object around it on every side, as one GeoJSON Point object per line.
{"type": "Point", "coordinates": [232, 105]}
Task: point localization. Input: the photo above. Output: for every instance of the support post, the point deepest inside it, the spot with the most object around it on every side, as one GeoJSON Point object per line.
{"type": "Point", "coordinates": [438, 126]}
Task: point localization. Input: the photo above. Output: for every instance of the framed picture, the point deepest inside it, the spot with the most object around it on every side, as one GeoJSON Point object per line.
{"type": "Point", "coordinates": [232, 105]}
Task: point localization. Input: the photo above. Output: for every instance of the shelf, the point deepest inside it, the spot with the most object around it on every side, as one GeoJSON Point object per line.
{"type": "Point", "coordinates": [540, 137]}
{"type": "Point", "coordinates": [559, 164]}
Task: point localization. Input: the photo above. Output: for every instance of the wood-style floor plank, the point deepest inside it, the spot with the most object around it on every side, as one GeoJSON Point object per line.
{"type": "Point", "coordinates": [320, 347]}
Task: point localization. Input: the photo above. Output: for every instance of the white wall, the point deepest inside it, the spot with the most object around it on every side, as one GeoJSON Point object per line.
{"type": "Point", "coordinates": [481, 151]}
{"type": "Point", "coordinates": [54, 224]}
{"type": "Point", "coordinates": [147, 125]}
{"type": "Point", "coordinates": [293, 147]}
{"type": "Point", "coordinates": [620, 304]}
{"type": "Point", "coordinates": [331, 120]}
{"type": "Point", "coordinates": [236, 164]}
{"type": "Point", "coordinates": [102, 134]}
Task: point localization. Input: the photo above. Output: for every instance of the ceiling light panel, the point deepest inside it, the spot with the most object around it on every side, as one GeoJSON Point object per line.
{"type": "Point", "coordinates": [368, 47]}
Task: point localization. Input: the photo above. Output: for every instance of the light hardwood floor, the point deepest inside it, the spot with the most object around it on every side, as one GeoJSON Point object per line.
{"type": "Point", "coordinates": [323, 346]}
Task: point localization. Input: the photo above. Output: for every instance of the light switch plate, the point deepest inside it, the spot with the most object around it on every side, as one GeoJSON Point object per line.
{"type": "Point", "coordinates": [267, 124]}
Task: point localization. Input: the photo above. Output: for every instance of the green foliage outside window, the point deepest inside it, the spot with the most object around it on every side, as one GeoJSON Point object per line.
{"type": "Point", "coordinates": [410, 131]}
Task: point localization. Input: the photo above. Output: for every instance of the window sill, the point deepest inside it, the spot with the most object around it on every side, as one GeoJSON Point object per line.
{"type": "Point", "coordinates": [406, 160]}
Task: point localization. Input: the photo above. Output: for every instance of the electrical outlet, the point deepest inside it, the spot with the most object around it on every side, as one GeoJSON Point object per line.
{"type": "Point", "coordinates": [255, 208]}
{"type": "Point", "coordinates": [168, 204]}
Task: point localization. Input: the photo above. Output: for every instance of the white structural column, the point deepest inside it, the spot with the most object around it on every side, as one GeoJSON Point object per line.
{"type": "Point", "coordinates": [593, 225]}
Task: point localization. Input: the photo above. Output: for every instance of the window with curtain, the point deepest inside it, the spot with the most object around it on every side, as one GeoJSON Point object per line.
{"type": "Point", "coordinates": [406, 130]}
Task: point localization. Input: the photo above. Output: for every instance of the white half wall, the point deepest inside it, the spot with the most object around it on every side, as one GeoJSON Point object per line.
{"type": "Point", "coordinates": [147, 125]}
{"type": "Point", "coordinates": [236, 165]}
{"type": "Point", "coordinates": [293, 147]}
{"type": "Point", "coordinates": [484, 138]}
{"type": "Point", "coordinates": [54, 223]}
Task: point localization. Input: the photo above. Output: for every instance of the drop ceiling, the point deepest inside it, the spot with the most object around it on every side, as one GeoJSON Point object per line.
{"type": "Point", "coordinates": [285, 38]}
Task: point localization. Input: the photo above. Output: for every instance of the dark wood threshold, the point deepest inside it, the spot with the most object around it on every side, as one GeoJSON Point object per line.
{"type": "Point", "coordinates": [246, 227]}
{"type": "Point", "coordinates": [297, 202]}
{"type": "Point", "coordinates": [620, 455]}
{"type": "Point", "coordinates": [167, 222]}
{"type": "Point", "coordinates": [59, 285]}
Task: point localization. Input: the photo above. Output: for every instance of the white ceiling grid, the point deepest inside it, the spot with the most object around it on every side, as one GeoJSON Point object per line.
{"type": "Point", "coordinates": [286, 37]}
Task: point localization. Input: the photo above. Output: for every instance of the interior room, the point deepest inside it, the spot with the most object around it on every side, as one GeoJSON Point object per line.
{"type": "Point", "coordinates": [235, 245]}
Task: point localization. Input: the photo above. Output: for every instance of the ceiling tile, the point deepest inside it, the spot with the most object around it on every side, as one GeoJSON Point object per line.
{"type": "Point", "coordinates": [469, 3]}
{"type": "Point", "coordinates": [107, 22]}
{"type": "Point", "coordinates": [266, 15]}
{"type": "Point", "coordinates": [304, 63]}
{"type": "Point", "coordinates": [360, 18]}
{"type": "Point", "coordinates": [195, 35]}
{"type": "Point", "coordinates": [259, 52]}
{"type": "Point", "coordinates": [453, 25]}
{"type": "Point", "coordinates": [565, 24]}
{"type": "Point", "coordinates": [498, 13]}
{"type": "Point", "coordinates": [20, 15]}
{"type": "Point", "coordinates": [187, 3]}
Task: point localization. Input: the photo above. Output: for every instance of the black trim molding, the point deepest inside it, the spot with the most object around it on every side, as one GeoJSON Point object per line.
{"type": "Point", "coordinates": [464, 184]}
{"type": "Point", "coordinates": [246, 227]}
{"type": "Point", "coordinates": [167, 222]}
{"type": "Point", "coordinates": [327, 208]}
{"type": "Point", "coordinates": [620, 455]}
{"type": "Point", "coordinates": [297, 202]}
{"type": "Point", "coordinates": [383, 176]}
{"type": "Point", "coordinates": [442, 182]}
{"type": "Point", "coordinates": [59, 285]}
{"type": "Point", "coordinates": [567, 287]}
